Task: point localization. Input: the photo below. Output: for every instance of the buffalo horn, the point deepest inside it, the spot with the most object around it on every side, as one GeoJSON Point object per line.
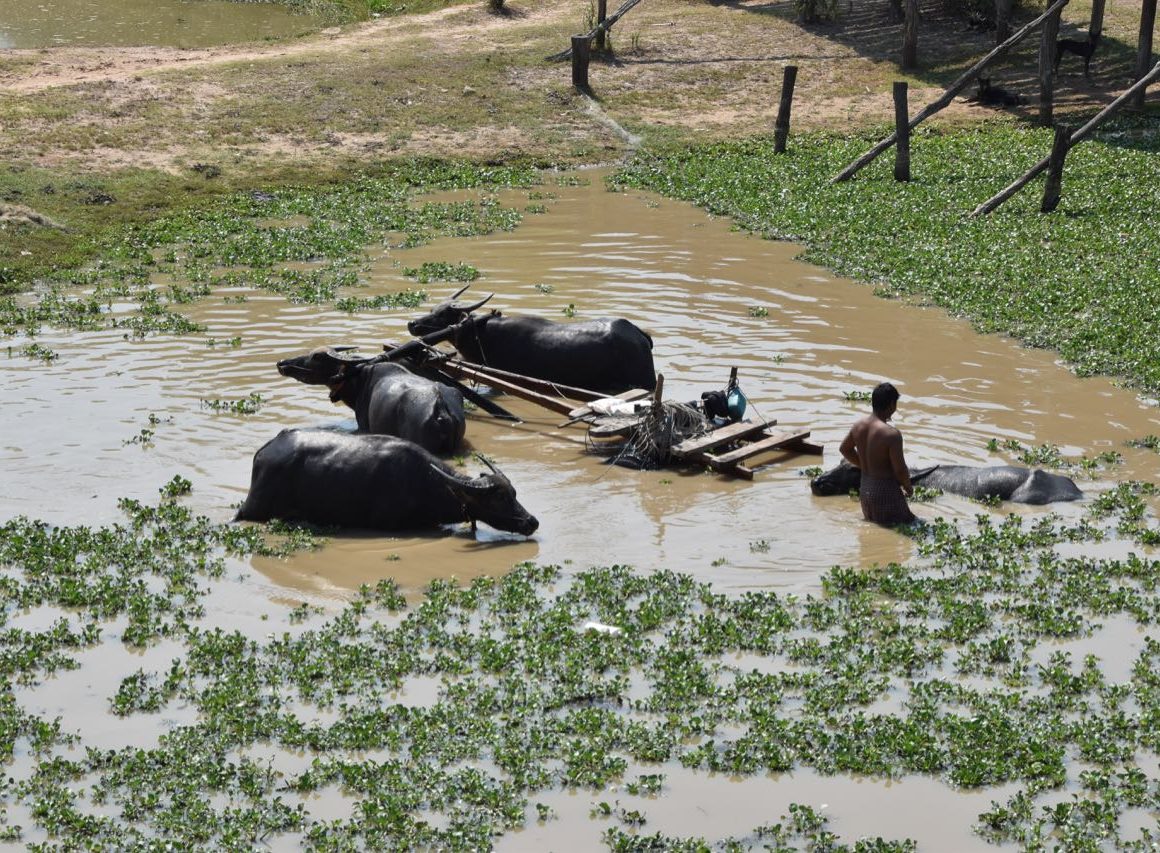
{"type": "Point", "coordinates": [478, 304]}
{"type": "Point", "coordinates": [459, 292]}
{"type": "Point", "coordinates": [451, 478]}
{"type": "Point", "coordinates": [485, 461]}
{"type": "Point", "coordinates": [344, 348]}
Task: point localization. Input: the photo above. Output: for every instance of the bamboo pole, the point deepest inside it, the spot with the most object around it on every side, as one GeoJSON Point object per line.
{"type": "Point", "coordinates": [949, 94]}
{"type": "Point", "coordinates": [554, 404]}
{"type": "Point", "coordinates": [543, 386]}
{"type": "Point", "coordinates": [1077, 137]}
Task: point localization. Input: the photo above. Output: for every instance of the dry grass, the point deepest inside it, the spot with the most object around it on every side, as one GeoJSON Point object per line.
{"type": "Point", "coordinates": [462, 81]}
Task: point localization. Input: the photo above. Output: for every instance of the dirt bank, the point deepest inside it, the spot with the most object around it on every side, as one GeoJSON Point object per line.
{"type": "Point", "coordinates": [463, 81]}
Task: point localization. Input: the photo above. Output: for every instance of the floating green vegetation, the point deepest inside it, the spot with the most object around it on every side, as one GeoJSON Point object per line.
{"type": "Point", "coordinates": [1148, 442]}
{"type": "Point", "coordinates": [441, 271]}
{"type": "Point", "coordinates": [968, 666]}
{"type": "Point", "coordinates": [247, 405]}
{"type": "Point", "coordinates": [1050, 456]}
{"type": "Point", "coordinates": [1081, 280]}
{"type": "Point", "coordinates": [307, 244]}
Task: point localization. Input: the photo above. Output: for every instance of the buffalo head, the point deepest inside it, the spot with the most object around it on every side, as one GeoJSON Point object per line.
{"type": "Point", "coordinates": [837, 481]}
{"type": "Point", "coordinates": [322, 366]}
{"type": "Point", "coordinates": [445, 314]}
{"type": "Point", "coordinates": [490, 498]}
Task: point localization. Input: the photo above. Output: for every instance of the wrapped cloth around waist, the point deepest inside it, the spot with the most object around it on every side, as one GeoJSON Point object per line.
{"type": "Point", "coordinates": [883, 502]}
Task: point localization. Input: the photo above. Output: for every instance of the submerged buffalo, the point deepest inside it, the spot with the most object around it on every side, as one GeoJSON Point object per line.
{"type": "Point", "coordinates": [387, 398]}
{"type": "Point", "coordinates": [1005, 482]}
{"type": "Point", "coordinates": [377, 482]}
{"type": "Point", "coordinates": [606, 355]}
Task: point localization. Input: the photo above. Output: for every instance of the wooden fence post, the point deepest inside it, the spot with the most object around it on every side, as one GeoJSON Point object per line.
{"type": "Point", "coordinates": [1003, 20]}
{"type": "Point", "coordinates": [580, 52]}
{"type": "Point", "coordinates": [902, 131]}
{"type": "Point", "coordinates": [949, 93]}
{"type": "Point", "coordinates": [1096, 26]}
{"type": "Point", "coordinates": [781, 127]}
{"type": "Point", "coordinates": [1077, 137]}
{"type": "Point", "coordinates": [1144, 53]}
{"type": "Point", "coordinates": [910, 36]}
{"type": "Point", "coordinates": [1059, 148]}
{"type": "Point", "coordinates": [602, 34]}
{"type": "Point", "coordinates": [1047, 41]}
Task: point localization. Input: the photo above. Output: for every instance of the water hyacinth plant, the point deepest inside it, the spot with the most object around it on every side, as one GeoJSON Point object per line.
{"type": "Point", "coordinates": [307, 244]}
{"type": "Point", "coordinates": [966, 666]}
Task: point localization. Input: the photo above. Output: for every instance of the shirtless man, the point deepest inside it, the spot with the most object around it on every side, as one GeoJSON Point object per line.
{"type": "Point", "coordinates": [875, 446]}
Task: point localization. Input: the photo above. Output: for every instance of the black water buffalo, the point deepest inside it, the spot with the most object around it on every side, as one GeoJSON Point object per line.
{"type": "Point", "coordinates": [606, 355]}
{"type": "Point", "coordinates": [1005, 482]}
{"type": "Point", "coordinates": [377, 482]}
{"type": "Point", "coordinates": [387, 398]}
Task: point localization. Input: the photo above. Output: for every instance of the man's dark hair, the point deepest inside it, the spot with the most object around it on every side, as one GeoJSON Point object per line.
{"type": "Point", "coordinates": [884, 396]}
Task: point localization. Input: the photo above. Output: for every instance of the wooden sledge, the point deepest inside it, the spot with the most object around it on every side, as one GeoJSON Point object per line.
{"type": "Point", "coordinates": [756, 438]}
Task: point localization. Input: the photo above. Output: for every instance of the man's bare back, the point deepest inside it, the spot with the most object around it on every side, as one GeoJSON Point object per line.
{"type": "Point", "coordinates": [875, 446]}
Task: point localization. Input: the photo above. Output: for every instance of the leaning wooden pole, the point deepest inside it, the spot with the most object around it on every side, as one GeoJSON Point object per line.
{"type": "Point", "coordinates": [1077, 137]}
{"type": "Point", "coordinates": [947, 96]}
{"type": "Point", "coordinates": [602, 27]}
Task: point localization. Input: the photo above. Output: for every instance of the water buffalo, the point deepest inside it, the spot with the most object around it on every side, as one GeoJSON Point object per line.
{"type": "Point", "coordinates": [387, 398]}
{"type": "Point", "coordinates": [606, 355]}
{"type": "Point", "coordinates": [1006, 482]}
{"type": "Point", "coordinates": [377, 482]}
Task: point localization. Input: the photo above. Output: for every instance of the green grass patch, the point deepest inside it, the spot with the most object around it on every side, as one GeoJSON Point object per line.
{"type": "Point", "coordinates": [1082, 280]}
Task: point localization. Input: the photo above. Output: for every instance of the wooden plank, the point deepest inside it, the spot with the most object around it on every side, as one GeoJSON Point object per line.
{"type": "Point", "coordinates": [733, 432]}
{"type": "Point", "coordinates": [769, 442]}
{"type": "Point", "coordinates": [628, 396]}
{"type": "Point", "coordinates": [615, 428]}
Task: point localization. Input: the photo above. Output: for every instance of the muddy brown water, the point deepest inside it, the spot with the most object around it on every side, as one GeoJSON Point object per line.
{"type": "Point", "coordinates": [712, 298]}
{"type": "Point", "coordinates": [125, 23]}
